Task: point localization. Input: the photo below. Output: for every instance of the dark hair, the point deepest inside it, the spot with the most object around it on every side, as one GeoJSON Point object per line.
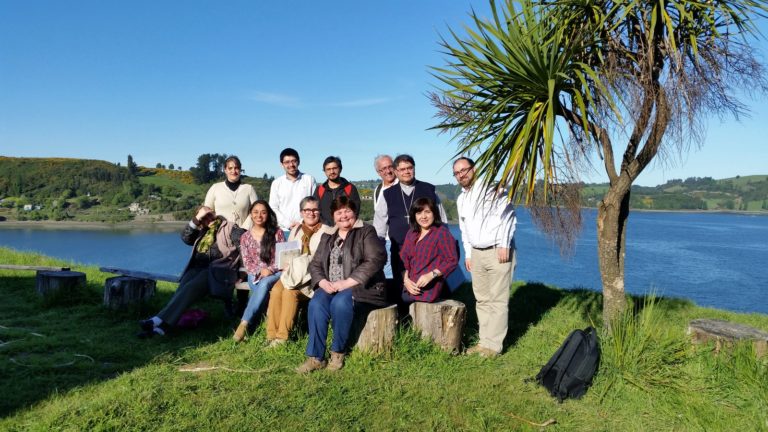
{"type": "Point", "coordinates": [270, 226]}
{"type": "Point", "coordinates": [332, 159]}
{"type": "Point", "coordinates": [403, 158]}
{"type": "Point", "coordinates": [308, 199]}
{"type": "Point", "coordinates": [420, 205]}
{"type": "Point", "coordinates": [342, 201]}
{"type": "Point", "coordinates": [289, 152]}
{"type": "Point", "coordinates": [234, 159]}
{"type": "Point", "coordinates": [463, 158]}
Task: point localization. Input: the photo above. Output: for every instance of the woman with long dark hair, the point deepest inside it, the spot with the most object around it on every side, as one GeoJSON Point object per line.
{"type": "Point", "coordinates": [257, 247]}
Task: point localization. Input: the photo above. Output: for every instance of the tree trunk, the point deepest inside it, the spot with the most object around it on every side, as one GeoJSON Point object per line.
{"type": "Point", "coordinates": [374, 332]}
{"type": "Point", "coordinates": [442, 322]}
{"type": "Point", "coordinates": [612, 216]}
{"type": "Point", "coordinates": [53, 284]}
{"type": "Point", "coordinates": [122, 291]}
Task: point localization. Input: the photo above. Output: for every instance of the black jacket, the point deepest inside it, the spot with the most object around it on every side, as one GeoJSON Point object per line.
{"type": "Point", "coordinates": [363, 259]}
{"type": "Point", "coordinates": [329, 195]}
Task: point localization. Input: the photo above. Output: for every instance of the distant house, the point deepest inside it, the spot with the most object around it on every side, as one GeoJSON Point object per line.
{"type": "Point", "coordinates": [138, 209]}
{"type": "Point", "coordinates": [27, 207]}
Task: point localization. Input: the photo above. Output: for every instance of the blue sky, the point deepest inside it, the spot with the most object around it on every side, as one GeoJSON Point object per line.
{"type": "Point", "coordinates": [166, 81]}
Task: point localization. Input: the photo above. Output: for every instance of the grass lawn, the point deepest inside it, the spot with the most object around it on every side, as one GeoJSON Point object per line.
{"type": "Point", "coordinates": [75, 365]}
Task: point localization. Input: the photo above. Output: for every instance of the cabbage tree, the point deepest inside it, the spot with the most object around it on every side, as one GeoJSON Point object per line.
{"type": "Point", "coordinates": [542, 88]}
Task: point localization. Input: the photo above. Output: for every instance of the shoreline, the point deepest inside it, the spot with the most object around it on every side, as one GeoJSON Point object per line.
{"type": "Point", "coordinates": [80, 225]}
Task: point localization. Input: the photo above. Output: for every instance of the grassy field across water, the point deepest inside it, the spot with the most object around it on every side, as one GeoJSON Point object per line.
{"type": "Point", "coordinates": [76, 365]}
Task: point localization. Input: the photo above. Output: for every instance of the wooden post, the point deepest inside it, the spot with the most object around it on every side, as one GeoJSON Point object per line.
{"type": "Point", "coordinates": [442, 322]}
{"type": "Point", "coordinates": [122, 291]}
{"type": "Point", "coordinates": [375, 333]}
{"type": "Point", "coordinates": [726, 333]}
{"type": "Point", "coordinates": [49, 283]}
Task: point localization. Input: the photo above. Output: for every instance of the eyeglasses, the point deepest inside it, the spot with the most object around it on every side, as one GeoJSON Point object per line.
{"type": "Point", "coordinates": [385, 169]}
{"type": "Point", "coordinates": [461, 172]}
{"type": "Point", "coordinates": [406, 169]}
{"type": "Point", "coordinates": [308, 211]}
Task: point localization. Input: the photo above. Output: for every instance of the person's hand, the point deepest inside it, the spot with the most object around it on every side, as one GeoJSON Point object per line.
{"type": "Point", "coordinates": [266, 272]}
{"type": "Point", "coordinates": [410, 286]}
{"type": "Point", "coordinates": [503, 254]}
{"type": "Point", "coordinates": [468, 264]}
{"type": "Point", "coordinates": [425, 279]}
{"type": "Point", "coordinates": [201, 214]}
{"type": "Point", "coordinates": [327, 286]}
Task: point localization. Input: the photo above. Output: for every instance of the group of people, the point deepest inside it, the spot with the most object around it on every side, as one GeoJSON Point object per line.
{"type": "Point", "coordinates": [340, 261]}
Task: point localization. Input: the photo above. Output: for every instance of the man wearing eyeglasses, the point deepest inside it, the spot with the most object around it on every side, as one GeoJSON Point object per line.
{"type": "Point", "coordinates": [385, 168]}
{"type": "Point", "coordinates": [487, 223]}
{"type": "Point", "coordinates": [391, 213]}
{"type": "Point", "coordinates": [287, 191]}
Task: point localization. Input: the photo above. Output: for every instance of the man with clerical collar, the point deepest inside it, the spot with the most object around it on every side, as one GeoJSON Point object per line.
{"type": "Point", "coordinates": [487, 222]}
{"type": "Point", "coordinates": [391, 213]}
{"type": "Point", "coordinates": [288, 190]}
{"type": "Point", "coordinates": [334, 186]}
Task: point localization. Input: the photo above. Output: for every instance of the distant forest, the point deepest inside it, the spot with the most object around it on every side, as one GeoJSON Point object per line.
{"type": "Point", "coordinates": [92, 190]}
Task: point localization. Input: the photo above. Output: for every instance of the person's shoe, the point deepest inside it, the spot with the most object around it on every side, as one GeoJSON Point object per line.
{"type": "Point", "coordinates": [149, 329]}
{"type": "Point", "coordinates": [147, 325]}
{"type": "Point", "coordinates": [482, 351]}
{"type": "Point", "coordinates": [241, 332]}
{"type": "Point", "coordinates": [276, 342]}
{"type": "Point", "coordinates": [311, 364]}
{"type": "Point", "coordinates": [337, 361]}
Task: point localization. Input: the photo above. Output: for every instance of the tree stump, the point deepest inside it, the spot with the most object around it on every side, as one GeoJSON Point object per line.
{"type": "Point", "coordinates": [52, 283]}
{"type": "Point", "coordinates": [727, 333]}
{"type": "Point", "coordinates": [122, 291]}
{"type": "Point", "coordinates": [375, 332]}
{"type": "Point", "coordinates": [442, 322]}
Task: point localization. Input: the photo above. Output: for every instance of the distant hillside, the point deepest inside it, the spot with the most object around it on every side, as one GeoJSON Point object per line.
{"type": "Point", "coordinates": [748, 193]}
{"type": "Point", "coordinates": [93, 190]}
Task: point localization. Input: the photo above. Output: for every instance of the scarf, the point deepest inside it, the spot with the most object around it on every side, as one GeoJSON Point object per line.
{"type": "Point", "coordinates": [307, 234]}
{"type": "Point", "coordinates": [205, 243]}
{"type": "Point", "coordinates": [232, 185]}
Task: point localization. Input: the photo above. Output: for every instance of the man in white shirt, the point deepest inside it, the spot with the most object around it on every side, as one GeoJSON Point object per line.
{"type": "Point", "coordinates": [385, 168]}
{"type": "Point", "coordinates": [487, 223]}
{"type": "Point", "coordinates": [288, 190]}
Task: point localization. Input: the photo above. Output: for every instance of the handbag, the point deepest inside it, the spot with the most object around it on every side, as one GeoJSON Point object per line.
{"type": "Point", "coordinates": [296, 274]}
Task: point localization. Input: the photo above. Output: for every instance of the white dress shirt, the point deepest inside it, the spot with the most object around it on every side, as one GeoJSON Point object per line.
{"type": "Point", "coordinates": [285, 195]}
{"type": "Point", "coordinates": [485, 219]}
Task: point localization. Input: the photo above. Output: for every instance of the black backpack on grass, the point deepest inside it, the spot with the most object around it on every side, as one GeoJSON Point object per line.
{"type": "Point", "coordinates": [569, 372]}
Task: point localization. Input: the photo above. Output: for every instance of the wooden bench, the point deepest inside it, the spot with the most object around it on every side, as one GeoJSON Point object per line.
{"type": "Point", "coordinates": [442, 322]}
{"type": "Point", "coordinates": [51, 280]}
{"type": "Point", "coordinates": [727, 333]}
{"type": "Point", "coordinates": [131, 286]}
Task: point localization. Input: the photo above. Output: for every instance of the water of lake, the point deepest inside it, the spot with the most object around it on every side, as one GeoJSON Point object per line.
{"type": "Point", "coordinates": [716, 260]}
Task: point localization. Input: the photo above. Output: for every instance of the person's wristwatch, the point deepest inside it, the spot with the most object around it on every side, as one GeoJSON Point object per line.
{"type": "Point", "coordinates": [435, 274]}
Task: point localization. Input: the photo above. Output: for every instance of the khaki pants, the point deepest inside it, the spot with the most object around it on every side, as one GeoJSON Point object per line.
{"type": "Point", "coordinates": [281, 312]}
{"type": "Point", "coordinates": [491, 282]}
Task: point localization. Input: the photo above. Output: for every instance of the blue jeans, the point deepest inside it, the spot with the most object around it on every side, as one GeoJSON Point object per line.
{"type": "Point", "coordinates": [259, 292]}
{"type": "Point", "coordinates": [337, 308]}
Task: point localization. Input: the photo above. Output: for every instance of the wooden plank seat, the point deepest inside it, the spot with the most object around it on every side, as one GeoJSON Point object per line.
{"type": "Point", "coordinates": [726, 333]}
{"type": "Point", "coordinates": [140, 274]}
{"type": "Point", "coordinates": [28, 267]}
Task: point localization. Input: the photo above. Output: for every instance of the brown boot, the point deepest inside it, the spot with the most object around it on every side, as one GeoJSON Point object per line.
{"type": "Point", "coordinates": [337, 361]}
{"type": "Point", "coordinates": [311, 364]}
{"type": "Point", "coordinates": [241, 332]}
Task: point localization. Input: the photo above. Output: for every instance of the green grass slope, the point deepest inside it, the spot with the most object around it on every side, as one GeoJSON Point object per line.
{"type": "Point", "coordinates": [77, 366]}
